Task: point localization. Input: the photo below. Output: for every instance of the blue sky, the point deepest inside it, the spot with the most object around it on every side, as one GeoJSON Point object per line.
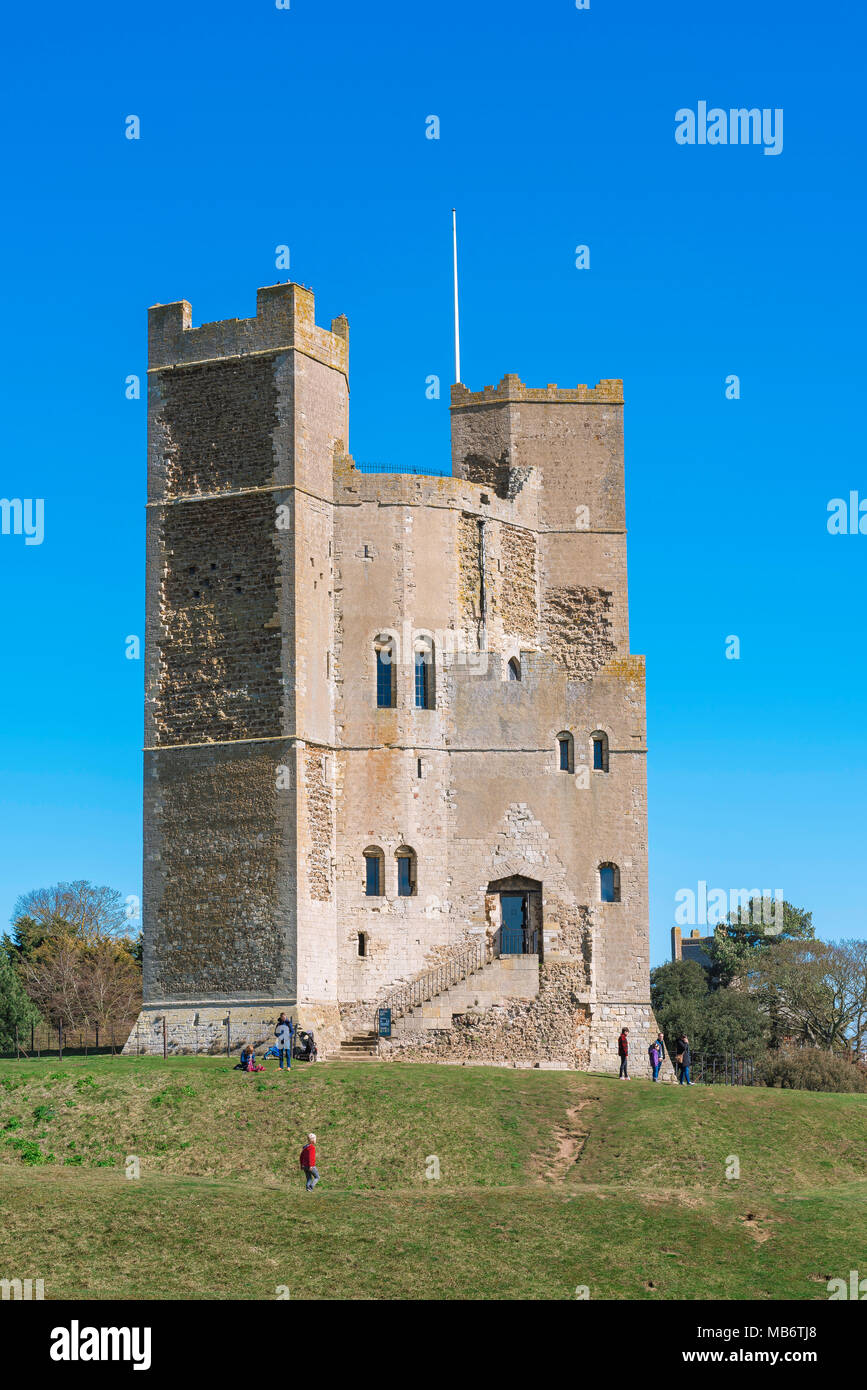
{"type": "Point", "coordinates": [306, 127]}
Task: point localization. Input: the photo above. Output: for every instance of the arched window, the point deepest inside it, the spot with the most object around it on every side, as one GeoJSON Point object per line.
{"type": "Point", "coordinates": [362, 943]}
{"type": "Point", "coordinates": [374, 872]}
{"type": "Point", "coordinates": [566, 752]}
{"type": "Point", "coordinates": [514, 669]}
{"type": "Point", "coordinates": [425, 674]}
{"type": "Point", "coordinates": [384, 649]}
{"type": "Point", "coordinates": [406, 875]}
{"type": "Point", "coordinates": [609, 883]}
{"type": "Point", "coordinates": [600, 751]}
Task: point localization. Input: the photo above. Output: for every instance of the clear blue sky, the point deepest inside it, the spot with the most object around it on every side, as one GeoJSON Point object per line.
{"type": "Point", "coordinates": [261, 127]}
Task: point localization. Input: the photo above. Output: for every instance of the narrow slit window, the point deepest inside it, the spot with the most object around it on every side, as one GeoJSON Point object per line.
{"type": "Point", "coordinates": [609, 883]}
{"type": "Point", "coordinates": [424, 676]}
{"type": "Point", "coordinates": [405, 873]}
{"type": "Point", "coordinates": [566, 753]}
{"type": "Point", "coordinates": [385, 674]}
{"type": "Point", "coordinates": [600, 752]}
{"type": "Point", "coordinates": [373, 873]}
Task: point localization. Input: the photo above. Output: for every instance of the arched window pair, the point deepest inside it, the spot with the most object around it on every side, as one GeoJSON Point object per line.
{"type": "Point", "coordinates": [566, 751]}
{"type": "Point", "coordinates": [424, 672]}
{"type": "Point", "coordinates": [374, 872]}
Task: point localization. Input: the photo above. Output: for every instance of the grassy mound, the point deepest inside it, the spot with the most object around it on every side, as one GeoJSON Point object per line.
{"type": "Point", "coordinates": [547, 1181]}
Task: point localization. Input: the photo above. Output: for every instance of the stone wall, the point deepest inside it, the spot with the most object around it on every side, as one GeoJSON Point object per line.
{"type": "Point", "coordinates": [577, 628]}
{"type": "Point", "coordinates": [220, 874]}
{"type": "Point", "coordinates": [218, 419]}
{"type": "Point", "coordinates": [220, 643]}
{"type": "Point", "coordinates": [515, 583]}
{"type": "Point", "coordinates": [554, 1027]}
{"type": "Point", "coordinates": [320, 825]}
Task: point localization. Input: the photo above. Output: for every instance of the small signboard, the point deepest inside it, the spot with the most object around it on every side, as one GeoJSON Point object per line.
{"type": "Point", "coordinates": [385, 1023]}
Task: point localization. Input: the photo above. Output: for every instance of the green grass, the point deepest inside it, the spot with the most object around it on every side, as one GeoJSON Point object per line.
{"type": "Point", "coordinates": [549, 1180]}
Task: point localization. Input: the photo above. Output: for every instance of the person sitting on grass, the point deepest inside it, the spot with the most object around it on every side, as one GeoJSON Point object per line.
{"type": "Point", "coordinates": [247, 1060]}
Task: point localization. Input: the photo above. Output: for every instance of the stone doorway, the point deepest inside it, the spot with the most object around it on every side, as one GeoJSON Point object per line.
{"type": "Point", "coordinates": [517, 915]}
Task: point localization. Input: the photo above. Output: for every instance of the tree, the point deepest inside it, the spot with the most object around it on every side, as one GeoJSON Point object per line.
{"type": "Point", "coordinates": [715, 1021]}
{"type": "Point", "coordinates": [16, 1010]}
{"type": "Point", "coordinates": [740, 944]}
{"type": "Point", "coordinates": [733, 1022]}
{"type": "Point", "coordinates": [849, 965]}
{"type": "Point", "coordinates": [85, 910]}
{"type": "Point", "coordinates": [815, 992]}
{"type": "Point", "coordinates": [82, 911]}
{"type": "Point", "coordinates": [82, 984]}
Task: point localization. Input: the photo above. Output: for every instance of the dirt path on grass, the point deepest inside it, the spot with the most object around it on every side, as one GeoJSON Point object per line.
{"type": "Point", "coordinates": [571, 1135]}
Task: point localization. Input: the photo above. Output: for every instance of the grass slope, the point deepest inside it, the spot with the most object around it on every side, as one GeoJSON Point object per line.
{"type": "Point", "coordinates": [549, 1180]}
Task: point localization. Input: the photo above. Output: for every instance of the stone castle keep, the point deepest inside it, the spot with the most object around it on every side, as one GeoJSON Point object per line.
{"type": "Point", "coordinates": [394, 735]}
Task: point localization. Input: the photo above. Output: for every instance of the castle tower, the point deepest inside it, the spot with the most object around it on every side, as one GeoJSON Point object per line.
{"type": "Point", "coordinates": [238, 906]}
{"type": "Point", "coordinates": [393, 724]}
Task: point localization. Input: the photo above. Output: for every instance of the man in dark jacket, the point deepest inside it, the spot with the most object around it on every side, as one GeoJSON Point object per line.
{"type": "Point", "coordinates": [684, 1059]}
{"type": "Point", "coordinates": [623, 1053]}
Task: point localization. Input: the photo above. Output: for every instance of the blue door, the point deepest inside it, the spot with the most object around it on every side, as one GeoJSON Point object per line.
{"type": "Point", "coordinates": [514, 931]}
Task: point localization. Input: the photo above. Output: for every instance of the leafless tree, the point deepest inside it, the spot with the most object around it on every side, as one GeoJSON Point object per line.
{"type": "Point", "coordinates": [89, 911]}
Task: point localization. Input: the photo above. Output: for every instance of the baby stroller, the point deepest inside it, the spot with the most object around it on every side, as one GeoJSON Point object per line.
{"type": "Point", "coordinates": [305, 1047]}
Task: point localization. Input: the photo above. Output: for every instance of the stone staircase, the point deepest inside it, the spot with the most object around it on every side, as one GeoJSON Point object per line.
{"type": "Point", "coordinates": [501, 979]}
{"type": "Point", "coordinates": [470, 978]}
{"type": "Point", "coordinates": [362, 1047]}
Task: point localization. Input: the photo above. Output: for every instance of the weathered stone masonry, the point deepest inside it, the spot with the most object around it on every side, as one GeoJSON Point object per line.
{"type": "Point", "coordinates": [273, 568]}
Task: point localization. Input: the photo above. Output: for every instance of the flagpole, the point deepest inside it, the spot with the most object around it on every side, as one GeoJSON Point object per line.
{"type": "Point", "coordinates": [457, 322]}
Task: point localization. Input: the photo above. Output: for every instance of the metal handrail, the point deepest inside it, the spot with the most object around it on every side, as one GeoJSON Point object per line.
{"type": "Point", "coordinates": [465, 961]}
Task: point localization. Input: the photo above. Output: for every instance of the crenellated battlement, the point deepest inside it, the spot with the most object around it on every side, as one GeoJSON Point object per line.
{"type": "Point", "coordinates": [609, 391]}
{"type": "Point", "coordinates": [285, 319]}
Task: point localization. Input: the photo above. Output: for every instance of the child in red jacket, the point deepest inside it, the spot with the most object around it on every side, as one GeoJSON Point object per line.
{"type": "Point", "coordinates": [308, 1162]}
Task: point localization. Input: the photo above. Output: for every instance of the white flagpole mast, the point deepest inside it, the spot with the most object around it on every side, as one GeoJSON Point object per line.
{"type": "Point", "coordinates": [457, 322]}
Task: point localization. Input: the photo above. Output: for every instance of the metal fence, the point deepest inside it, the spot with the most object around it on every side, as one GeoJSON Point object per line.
{"type": "Point", "coordinates": [722, 1069]}
{"type": "Point", "coordinates": [53, 1040]}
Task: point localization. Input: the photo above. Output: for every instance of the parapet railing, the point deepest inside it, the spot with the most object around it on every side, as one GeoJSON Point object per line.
{"type": "Point", "coordinates": [410, 468]}
{"type": "Point", "coordinates": [465, 961]}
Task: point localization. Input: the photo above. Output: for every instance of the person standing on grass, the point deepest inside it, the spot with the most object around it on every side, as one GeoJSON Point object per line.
{"type": "Point", "coordinates": [284, 1032]}
{"type": "Point", "coordinates": [623, 1053]}
{"type": "Point", "coordinates": [684, 1058]}
{"type": "Point", "coordinates": [655, 1058]}
{"type": "Point", "coordinates": [308, 1162]}
{"type": "Point", "coordinates": [660, 1043]}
